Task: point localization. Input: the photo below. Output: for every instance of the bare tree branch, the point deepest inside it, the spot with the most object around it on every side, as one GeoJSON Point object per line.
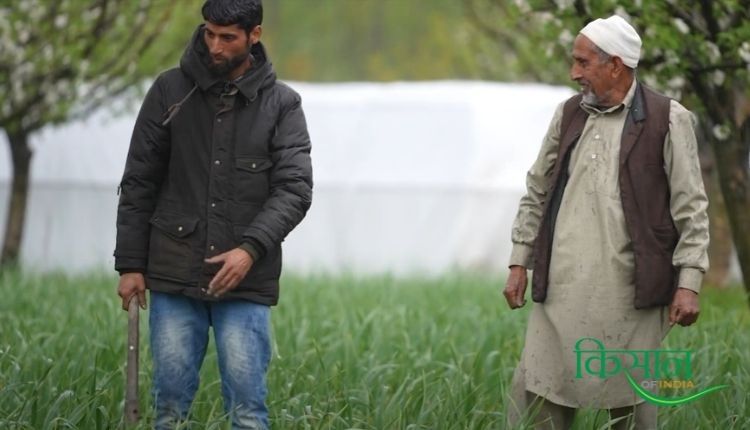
{"type": "Point", "coordinates": [687, 18]}
{"type": "Point", "coordinates": [722, 67]}
{"type": "Point", "coordinates": [582, 11]}
{"type": "Point", "coordinates": [707, 11]}
{"type": "Point", "coordinates": [742, 13]}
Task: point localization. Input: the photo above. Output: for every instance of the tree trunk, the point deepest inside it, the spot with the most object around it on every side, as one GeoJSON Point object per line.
{"type": "Point", "coordinates": [21, 156]}
{"type": "Point", "coordinates": [720, 247]}
{"type": "Point", "coordinates": [734, 179]}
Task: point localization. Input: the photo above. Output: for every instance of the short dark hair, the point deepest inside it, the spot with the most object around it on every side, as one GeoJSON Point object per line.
{"type": "Point", "coordinates": [604, 57]}
{"type": "Point", "coordinates": [246, 13]}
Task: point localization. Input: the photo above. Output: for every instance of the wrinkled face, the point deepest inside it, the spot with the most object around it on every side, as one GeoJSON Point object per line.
{"type": "Point", "coordinates": [228, 46]}
{"type": "Point", "coordinates": [594, 75]}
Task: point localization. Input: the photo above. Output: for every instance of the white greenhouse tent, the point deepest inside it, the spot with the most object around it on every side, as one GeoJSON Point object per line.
{"type": "Point", "coordinates": [410, 178]}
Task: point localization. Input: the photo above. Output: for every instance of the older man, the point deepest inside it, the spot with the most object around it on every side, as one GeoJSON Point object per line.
{"type": "Point", "coordinates": [614, 221]}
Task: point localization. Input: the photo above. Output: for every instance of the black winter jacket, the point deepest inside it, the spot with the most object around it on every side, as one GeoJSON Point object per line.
{"type": "Point", "coordinates": [213, 165]}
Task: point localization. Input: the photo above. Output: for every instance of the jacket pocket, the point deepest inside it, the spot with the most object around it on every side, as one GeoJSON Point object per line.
{"type": "Point", "coordinates": [169, 247]}
{"type": "Point", "coordinates": [252, 178]}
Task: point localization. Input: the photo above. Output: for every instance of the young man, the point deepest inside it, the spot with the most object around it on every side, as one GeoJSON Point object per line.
{"type": "Point", "coordinates": [218, 173]}
{"type": "Point", "coordinates": [615, 224]}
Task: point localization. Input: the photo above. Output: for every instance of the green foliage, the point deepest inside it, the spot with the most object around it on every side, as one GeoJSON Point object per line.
{"type": "Point", "coordinates": [691, 50]}
{"type": "Point", "coordinates": [367, 353]}
{"type": "Point", "coordinates": [380, 40]}
{"type": "Point", "coordinates": [64, 57]}
{"type": "Point", "coordinates": [512, 44]}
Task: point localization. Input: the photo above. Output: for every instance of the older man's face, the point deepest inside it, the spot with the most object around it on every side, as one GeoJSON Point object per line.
{"type": "Point", "coordinates": [592, 74]}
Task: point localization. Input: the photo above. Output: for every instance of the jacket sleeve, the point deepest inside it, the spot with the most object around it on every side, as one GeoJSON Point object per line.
{"type": "Point", "coordinates": [529, 216]}
{"type": "Point", "coordinates": [145, 169]}
{"type": "Point", "coordinates": [291, 181]}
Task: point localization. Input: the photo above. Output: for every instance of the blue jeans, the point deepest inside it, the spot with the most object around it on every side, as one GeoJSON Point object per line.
{"type": "Point", "coordinates": [179, 335]}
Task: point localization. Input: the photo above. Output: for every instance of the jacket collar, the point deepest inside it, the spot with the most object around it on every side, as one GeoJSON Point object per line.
{"type": "Point", "coordinates": [260, 75]}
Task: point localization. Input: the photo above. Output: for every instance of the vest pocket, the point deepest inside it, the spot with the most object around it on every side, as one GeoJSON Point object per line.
{"type": "Point", "coordinates": [169, 246]}
{"type": "Point", "coordinates": [252, 178]}
{"type": "Point", "coordinates": [666, 236]}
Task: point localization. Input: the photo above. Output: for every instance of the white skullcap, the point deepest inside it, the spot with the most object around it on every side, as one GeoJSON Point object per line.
{"type": "Point", "coordinates": [615, 37]}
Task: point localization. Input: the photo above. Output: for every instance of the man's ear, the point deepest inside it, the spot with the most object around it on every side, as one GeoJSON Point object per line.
{"type": "Point", "coordinates": [255, 34]}
{"type": "Point", "coordinates": [618, 67]}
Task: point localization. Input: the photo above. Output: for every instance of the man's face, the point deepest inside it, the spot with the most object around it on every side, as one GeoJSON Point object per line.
{"type": "Point", "coordinates": [228, 46]}
{"type": "Point", "coordinates": [591, 73]}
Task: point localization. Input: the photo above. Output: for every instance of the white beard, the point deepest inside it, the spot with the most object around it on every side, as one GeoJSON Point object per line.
{"type": "Point", "coordinates": [590, 98]}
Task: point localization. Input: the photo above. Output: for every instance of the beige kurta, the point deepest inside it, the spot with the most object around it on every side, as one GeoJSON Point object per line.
{"type": "Point", "coordinates": [591, 286]}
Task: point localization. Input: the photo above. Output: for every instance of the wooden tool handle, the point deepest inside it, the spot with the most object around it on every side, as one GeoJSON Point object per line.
{"type": "Point", "coordinates": [131, 372]}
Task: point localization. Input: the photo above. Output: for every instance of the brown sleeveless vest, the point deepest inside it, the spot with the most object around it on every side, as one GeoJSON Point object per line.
{"type": "Point", "coordinates": [644, 191]}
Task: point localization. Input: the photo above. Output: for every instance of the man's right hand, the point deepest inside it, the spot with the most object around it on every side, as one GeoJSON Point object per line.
{"type": "Point", "coordinates": [515, 287]}
{"type": "Point", "coordinates": [132, 284]}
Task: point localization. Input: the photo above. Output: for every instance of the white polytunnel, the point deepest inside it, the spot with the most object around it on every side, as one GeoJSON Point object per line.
{"type": "Point", "coordinates": [410, 178]}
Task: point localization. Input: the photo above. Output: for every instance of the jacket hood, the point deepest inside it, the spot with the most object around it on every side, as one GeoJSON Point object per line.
{"type": "Point", "coordinates": [193, 63]}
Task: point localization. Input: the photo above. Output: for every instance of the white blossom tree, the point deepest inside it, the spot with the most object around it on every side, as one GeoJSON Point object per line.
{"type": "Point", "coordinates": [697, 51]}
{"type": "Point", "coordinates": [60, 59]}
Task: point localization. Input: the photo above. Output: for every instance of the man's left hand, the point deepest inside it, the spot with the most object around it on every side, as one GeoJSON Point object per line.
{"type": "Point", "coordinates": [236, 264]}
{"type": "Point", "coordinates": [684, 309]}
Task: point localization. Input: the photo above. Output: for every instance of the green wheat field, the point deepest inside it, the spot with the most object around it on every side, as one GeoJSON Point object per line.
{"type": "Point", "coordinates": [349, 353]}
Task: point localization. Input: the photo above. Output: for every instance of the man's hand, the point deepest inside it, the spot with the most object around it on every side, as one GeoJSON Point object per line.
{"type": "Point", "coordinates": [684, 309]}
{"type": "Point", "coordinates": [132, 284]}
{"type": "Point", "coordinates": [236, 264]}
{"type": "Point", "coordinates": [515, 288]}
